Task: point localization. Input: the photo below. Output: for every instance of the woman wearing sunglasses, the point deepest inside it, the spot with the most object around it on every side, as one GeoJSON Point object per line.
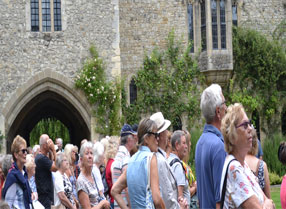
{"type": "Point", "coordinates": [136, 175]}
{"type": "Point", "coordinates": [16, 191]}
{"type": "Point", "coordinates": [241, 189]}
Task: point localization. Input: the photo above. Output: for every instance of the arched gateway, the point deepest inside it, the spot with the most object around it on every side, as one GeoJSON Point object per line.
{"type": "Point", "coordinates": [47, 94]}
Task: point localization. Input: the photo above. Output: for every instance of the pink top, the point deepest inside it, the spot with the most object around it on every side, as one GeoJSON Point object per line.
{"type": "Point", "coordinates": [283, 193]}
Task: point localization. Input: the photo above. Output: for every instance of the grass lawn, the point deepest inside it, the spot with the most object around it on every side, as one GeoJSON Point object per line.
{"type": "Point", "coordinates": [275, 196]}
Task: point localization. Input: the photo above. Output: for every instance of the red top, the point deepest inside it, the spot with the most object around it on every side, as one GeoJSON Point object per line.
{"type": "Point", "coordinates": [283, 193]}
{"type": "Point", "coordinates": [108, 177]}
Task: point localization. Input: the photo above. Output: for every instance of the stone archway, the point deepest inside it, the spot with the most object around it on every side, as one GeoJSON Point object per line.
{"type": "Point", "coordinates": [48, 94]}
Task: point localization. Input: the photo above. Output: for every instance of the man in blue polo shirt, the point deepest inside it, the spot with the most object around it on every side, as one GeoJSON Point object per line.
{"type": "Point", "coordinates": [210, 153]}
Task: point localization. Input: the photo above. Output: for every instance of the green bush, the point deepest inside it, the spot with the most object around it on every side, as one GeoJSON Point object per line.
{"type": "Point", "coordinates": [274, 178]}
{"type": "Point", "coordinates": [270, 154]}
{"type": "Point", "coordinates": [195, 135]}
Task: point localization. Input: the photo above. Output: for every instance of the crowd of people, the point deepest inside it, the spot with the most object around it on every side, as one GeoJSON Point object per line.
{"type": "Point", "coordinates": [145, 167]}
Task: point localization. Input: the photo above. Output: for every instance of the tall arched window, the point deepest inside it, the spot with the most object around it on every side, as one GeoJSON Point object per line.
{"type": "Point", "coordinates": [214, 23]}
{"type": "Point", "coordinates": [132, 91]}
{"type": "Point", "coordinates": [222, 24]}
{"type": "Point", "coordinates": [191, 24]}
{"type": "Point", "coordinates": [46, 15]}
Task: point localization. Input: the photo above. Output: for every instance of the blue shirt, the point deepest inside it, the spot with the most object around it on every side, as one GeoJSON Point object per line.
{"type": "Point", "coordinates": [260, 152]}
{"type": "Point", "coordinates": [137, 177]}
{"type": "Point", "coordinates": [209, 159]}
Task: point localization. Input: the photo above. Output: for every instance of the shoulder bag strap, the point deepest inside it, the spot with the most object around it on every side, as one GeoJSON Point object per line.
{"type": "Point", "coordinates": [224, 185]}
{"type": "Point", "coordinates": [149, 157]}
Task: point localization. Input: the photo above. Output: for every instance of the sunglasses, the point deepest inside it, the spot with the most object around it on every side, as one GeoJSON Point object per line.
{"type": "Point", "coordinates": [155, 134]}
{"type": "Point", "coordinates": [24, 151]}
{"type": "Point", "coordinates": [245, 125]}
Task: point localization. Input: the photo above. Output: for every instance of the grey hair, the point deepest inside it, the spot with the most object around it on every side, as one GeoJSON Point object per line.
{"type": "Point", "coordinates": [59, 160]}
{"type": "Point", "coordinates": [176, 137]}
{"type": "Point", "coordinates": [210, 99]}
{"type": "Point", "coordinates": [43, 139]}
{"type": "Point", "coordinates": [86, 145]}
{"type": "Point", "coordinates": [60, 140]}
{"type": "Point", "coordinates": [98, 151]}
{"type": "Point", "coordinates": [30, 161]}
{"type": "Point", "coordinates": [35, 148]}
{"type": "Point", "coordinates": [124, 139]}
{"type": "Point", "coordinates": [6, 164]}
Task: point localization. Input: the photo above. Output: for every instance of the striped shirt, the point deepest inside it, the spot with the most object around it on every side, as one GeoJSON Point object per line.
{"type": "Point", "coordinates": [120, 163]}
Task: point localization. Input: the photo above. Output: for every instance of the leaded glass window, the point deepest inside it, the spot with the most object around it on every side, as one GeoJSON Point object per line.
{"type": "Point", "coordinates": [234, 13]}
{"type": "Point", "coordinates": [214, 23]}
{"type": "Point", "coordinates": [35, 15]}
{"type": "Point", "coordinates": [222, 25]}
{"type": "Point", "coordinates": [203, 26]}
{"type": "Point", "coordinates": [46, 15]}
{"type": "Point", "coordinates": [191, 25]}
{"type": "Point", "coordinates": [57, 15]}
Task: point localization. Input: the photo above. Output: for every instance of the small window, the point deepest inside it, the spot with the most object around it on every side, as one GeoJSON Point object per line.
{"type": "Point", "coordinates": [234, 13]}
{"type": "Point", "coordinates": [191, 25]}
{"type": "Point", "coordinates": [43, 10]}
{"type": "Point", "coordinates": [203, 26]}
{"type": "Point", "coordinates": [177, 124]}
{"type": "Point", "coordinates": [133, 91]}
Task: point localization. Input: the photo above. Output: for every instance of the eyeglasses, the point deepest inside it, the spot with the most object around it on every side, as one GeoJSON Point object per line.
{"type": "Point", "coordinates": [245, 125]}
{"type": "Point", "coordinates": [155, 134]}
{"type": "Point", "coordinates": [24, 151]}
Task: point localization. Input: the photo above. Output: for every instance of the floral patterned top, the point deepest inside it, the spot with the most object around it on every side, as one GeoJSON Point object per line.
{"type": "Point", "coordinates": [189, 173]}
{"type": "Point", "coordinates": [241, 184]}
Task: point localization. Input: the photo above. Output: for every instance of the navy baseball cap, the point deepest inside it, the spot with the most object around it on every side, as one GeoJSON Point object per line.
{"type": "Point", "coordinates": [126, 130]}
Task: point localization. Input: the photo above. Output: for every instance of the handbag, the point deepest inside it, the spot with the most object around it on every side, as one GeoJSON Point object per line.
{"type": "Point", "coordinates": [149, 199]}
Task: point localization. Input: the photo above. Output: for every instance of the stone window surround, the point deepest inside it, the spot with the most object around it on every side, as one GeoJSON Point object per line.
{"type": "Point", "coordinates": [197, 23]}
{"type": "Point", "coordinates": [28, 17]}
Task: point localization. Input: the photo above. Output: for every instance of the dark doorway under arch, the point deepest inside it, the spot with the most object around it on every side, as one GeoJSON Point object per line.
{"type": "Point", "coordinates": [48, 104]}
{"type": "Point", "coordinates": [256, 122]}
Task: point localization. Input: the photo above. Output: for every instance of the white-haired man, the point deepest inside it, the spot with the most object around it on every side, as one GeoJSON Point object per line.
{"type": "Point", "coordinates": [210, 154]}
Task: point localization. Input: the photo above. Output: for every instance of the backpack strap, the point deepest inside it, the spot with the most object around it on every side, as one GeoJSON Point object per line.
{"type": "Point", "coordinates": [176, 160]}
{"type": "Point", "coordinates": [224, 185]}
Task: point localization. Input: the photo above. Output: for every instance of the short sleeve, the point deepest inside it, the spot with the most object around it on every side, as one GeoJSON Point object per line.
{"type": "Point", "coordinates": [80, 185]}
{"type": "Point", "coordinates": [59, 184]}
{"type": "Point", "coordinates": [240, 188]}
{"type": "Point", "coordinates": [179, 174]}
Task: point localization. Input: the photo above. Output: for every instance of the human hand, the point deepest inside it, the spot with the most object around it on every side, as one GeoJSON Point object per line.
{"type": "Point", "coordinates": [183, 202]}
{"type": "Point", "coordinates": [51, 144]}
{"type": "Point", "coordinates": [105, 204]}
{"type": "Point", "coordinates": [268, 204]}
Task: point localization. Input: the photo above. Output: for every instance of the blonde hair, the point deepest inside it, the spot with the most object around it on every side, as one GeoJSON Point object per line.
{"type": "Point", "coordinates": [30, 161]}
{"type": "Point", "coordinates": [17, 142]}
{"type": "Point", "coordinates": [112, 147]}
{"type": "Point", "coordinates": [68, 151]}
{"type": "Point", "coordinates": [254, 148]}
{"type": "Point", "coordinates": [228, 125]}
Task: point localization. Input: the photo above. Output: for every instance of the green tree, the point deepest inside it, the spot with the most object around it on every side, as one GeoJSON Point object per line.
{"type": "Point", "coordinates": [168, 82]}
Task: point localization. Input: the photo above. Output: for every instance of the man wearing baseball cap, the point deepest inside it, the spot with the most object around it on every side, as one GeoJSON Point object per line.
{"type": "Point", "coordinates": [167, 182]}
{"type": "Point", "coordinates": [128, 142]}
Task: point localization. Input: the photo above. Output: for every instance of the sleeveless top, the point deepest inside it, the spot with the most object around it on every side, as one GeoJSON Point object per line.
{"type": "Point", "coordinates": [137, 178]}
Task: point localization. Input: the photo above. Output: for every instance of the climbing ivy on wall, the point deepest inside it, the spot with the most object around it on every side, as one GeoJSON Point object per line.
{"type": "Point", "coordinates": [259, 66]}
{"type": "Point", "coordinates": [169, 82]}
{"type": "Point", "coordinates": [103, 94]}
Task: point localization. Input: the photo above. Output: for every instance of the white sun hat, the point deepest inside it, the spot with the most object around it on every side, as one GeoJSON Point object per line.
{"type": "Point", "coordinates": [162, 124]}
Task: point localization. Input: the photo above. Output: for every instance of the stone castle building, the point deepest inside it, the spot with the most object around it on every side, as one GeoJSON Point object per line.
{"type": "Point", "coordinates": [43, 43]}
